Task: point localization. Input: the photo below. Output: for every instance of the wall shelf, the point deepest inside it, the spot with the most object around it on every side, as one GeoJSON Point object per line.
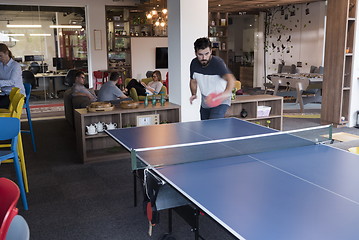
{"type": "Point", "coordinates": [251, 103]}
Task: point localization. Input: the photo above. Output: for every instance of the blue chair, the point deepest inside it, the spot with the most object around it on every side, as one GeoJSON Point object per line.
{"type": "Point", "coordinates": [11, 132]}
{"type": "Point", "coordinates": [28, 88]}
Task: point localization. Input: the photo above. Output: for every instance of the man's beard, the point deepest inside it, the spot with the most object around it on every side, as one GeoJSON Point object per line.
{"type": "Point", "coordinates": [204, 62]}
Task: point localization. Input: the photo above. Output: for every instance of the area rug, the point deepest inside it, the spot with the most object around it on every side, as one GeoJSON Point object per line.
{"type": "Point", "coordinates": [342, 136]}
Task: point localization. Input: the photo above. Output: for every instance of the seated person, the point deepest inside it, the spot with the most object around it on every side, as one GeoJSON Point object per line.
{"type": "Point", "coordinates": [153, 87]}
{"type": "Point", "coordinates": [78, 89]}
{"type": "Point", "coordinates": [109, 92]}
{"type": "Point", "coordinates": [10, 76]}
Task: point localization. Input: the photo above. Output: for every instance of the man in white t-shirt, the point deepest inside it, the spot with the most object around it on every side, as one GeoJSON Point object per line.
{"type": "Point", "coordinates": [211, 75]}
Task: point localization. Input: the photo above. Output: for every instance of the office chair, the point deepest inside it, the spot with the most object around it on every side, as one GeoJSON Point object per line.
{"type": "Point", "coordinates": [69, 80]}
{"type": "Point", "coordinates": [29, 77]}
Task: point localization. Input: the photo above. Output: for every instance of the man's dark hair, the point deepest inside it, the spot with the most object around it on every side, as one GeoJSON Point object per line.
{"type": "Point", "coordinates": [202, 43]}
{"type": "Point", "coordinates": [79, 73]}
{"type": "Point", "coordinates": [114, 76]}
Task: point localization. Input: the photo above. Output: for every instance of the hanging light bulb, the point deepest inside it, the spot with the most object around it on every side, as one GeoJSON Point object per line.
{"type": "Point", "coordinates": [157, 23]}
{"type": "Point", "coordinates": [154, 12]}
{"type": "Point", "coordinates": [164, 11]}
{"type": "Point", "coordinates": [149, 16]}
{"type": "Point", "coordinates": [163, 24]}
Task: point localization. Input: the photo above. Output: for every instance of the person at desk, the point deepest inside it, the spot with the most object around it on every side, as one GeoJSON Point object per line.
{"type": "Point", "coordinates": [143, 89]}
{"type": "Point", "coordinates": [109, 92]}
{"type": "Point", "coordinates": [79, 89]}
{"type": "Point", "coordinates": [211, 74]}
{"type": "Point", "coordinates": [10, 75]}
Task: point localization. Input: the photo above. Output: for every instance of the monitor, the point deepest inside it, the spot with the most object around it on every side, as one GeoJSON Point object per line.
{"type": "Point", "coordinates": [18, 59]}
{"type": "Point", "coordinates": [32, 58]}
{"type": "Point", "coordinates": [161, 57]}
{"type": "Point", "coordinates": [29, 58]}
{"type": "Point", "coordinates": [59, 63]}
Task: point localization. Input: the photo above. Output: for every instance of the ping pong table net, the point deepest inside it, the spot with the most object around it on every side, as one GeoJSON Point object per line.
{"type": "Point", "coordinates": [155, 157]}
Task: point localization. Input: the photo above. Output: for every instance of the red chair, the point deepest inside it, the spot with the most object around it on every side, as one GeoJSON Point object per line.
{"type": "Point", "coordinates": [100, 78]}
{"type": "Point", "coordinates": [10, 194]}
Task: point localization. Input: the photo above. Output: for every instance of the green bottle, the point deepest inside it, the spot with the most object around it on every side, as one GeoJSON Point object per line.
{"type": "Point", "coordinates": [146, 101]}
{"type": "Point", "coordinates": [163, 100]}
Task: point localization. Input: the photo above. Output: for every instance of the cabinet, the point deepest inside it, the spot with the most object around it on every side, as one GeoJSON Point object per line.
{"type": "Point", "coordinates": [100, 147]}
{"type": "Point", "coordinates": [251, 103]}
{"type": "Point", "coordinates": [338, 61]}
{"type": "Point", "coordinates": [218, 34]}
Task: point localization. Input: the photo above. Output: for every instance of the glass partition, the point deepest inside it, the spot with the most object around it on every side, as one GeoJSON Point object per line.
{"type": "Point", "coordinates": [47, 41]}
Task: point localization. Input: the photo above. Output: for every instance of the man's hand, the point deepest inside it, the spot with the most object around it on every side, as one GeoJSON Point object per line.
{"type": "Point", "coordinates": [192, 98]}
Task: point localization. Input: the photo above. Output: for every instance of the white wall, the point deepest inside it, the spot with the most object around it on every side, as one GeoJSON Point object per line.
{"type": "Point", "coordinates": [143, 55]}
{"type": "Point", "coordinates": [354, 96]}
{"type": "Point", "coordinates": [299, 38]}
{"type": "Point", "coordinates": [188, 20]}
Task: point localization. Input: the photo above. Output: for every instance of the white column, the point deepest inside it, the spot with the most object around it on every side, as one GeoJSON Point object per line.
{"type": "Point", "coordinates": [188, 20]}
{"type": "Point", "coordinates": [354, 96]}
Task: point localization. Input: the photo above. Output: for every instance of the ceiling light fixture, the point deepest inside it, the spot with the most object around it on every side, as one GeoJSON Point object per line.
{"type": "Point", "coordinates": [14, 34]}
{"type": "Point", "coordinates": [157, 17]}
{"type": "Point", "coordinates": [40, 34]}
{"type": "Point", "coordinates": [65, 26]}
{"type": "Point", "coordinates": [23, 26]}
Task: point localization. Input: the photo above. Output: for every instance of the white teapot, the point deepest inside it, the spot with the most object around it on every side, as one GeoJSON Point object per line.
{"type": "Point", "coordinates": [91, 129]}
{"type": "Point", "coordinates": [100, 126]}
{"type": "Point", "coordinates": [111, 126]}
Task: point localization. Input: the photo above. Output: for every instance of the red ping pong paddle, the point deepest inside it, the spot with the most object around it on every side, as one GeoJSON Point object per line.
{"type": "Point", "coordinates": [213, 100]}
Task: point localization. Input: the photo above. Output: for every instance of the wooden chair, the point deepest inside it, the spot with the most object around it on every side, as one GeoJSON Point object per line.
{"type": "Point", "coordinates": [100, 78]}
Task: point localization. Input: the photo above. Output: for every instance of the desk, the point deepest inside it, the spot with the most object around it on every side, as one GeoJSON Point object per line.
{"type": "Point", "coordinates": [299, 82]}
{"type": "Point", "coordinates": [307, 191]}
{"type": "Point", "coordinates": [51, 77]}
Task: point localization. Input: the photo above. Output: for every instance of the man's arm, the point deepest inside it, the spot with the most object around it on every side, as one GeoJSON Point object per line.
{"type": "Point", "coordinates": [229, 77]}
{"type": "Point", "coordinates": [193, 88]}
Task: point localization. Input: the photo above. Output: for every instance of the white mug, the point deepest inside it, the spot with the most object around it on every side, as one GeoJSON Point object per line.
{"type": "Point", "coordinates": [111, 126]}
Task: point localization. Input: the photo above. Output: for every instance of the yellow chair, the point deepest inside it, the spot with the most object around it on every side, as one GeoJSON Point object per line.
{"type": "Point", "coordinates": [354, 150]}
{"type": "Point", "coordinates": [17, 104]}
{"type": "Point", "coordinates": [133, 92]}
{"type": "Point", "coordinates": [13, 92]}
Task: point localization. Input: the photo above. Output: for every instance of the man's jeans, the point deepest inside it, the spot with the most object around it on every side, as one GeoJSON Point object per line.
{"type": "Point", "coordinates": [212, 113]}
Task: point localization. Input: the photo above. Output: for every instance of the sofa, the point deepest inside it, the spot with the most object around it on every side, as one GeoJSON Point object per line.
{"type": "Point", "coordinates": [73, 102]}
{"type": "Point", "coordinates": [133, 93]}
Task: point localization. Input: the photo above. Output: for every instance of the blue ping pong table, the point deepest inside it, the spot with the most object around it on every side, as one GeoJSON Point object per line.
{"type": "Point", "coordinates": [304, 192]}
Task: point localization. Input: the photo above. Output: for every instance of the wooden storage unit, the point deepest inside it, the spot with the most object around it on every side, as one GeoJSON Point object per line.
{"type": "Point", "coordinates": [339, 45]}
{"type": "Point", "coordinates": [100, 147]}
{"type": "Point", "coordinates": [246, 76]}
{"type": "Point", "coordinates": [218, 34]}
{"type": "Point", "coordinates": [251, 103]}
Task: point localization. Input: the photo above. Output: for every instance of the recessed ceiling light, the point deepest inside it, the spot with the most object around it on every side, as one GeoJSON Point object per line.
{"type": "Point", "coordinates": [65, 26]}
{"type": "Point", "coordinates": [40, 34]}
{"type": "Point", "coordinates": [219, 5]}
{"type": "Point", "coordinates": [23, 26]}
